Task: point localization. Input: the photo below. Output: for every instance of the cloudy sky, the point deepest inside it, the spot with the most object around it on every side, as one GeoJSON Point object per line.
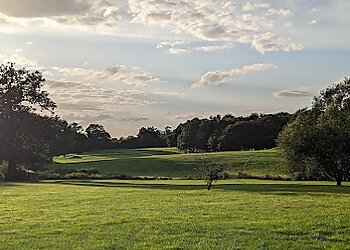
{"type": "Point", "coordinates": [132, 63]}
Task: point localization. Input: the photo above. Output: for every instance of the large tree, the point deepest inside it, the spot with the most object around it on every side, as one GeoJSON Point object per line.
{"type": "Point", "coordinates": [21, 95]}
{"type": "Point", "coordinates": [150, 137]}
{"type": "Point", "coordinates": [318, 140]}
{"type": "Point", "coordinates": [98, 137]}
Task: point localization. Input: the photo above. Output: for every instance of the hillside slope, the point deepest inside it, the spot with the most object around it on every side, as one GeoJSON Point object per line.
{"type": "Point", "coordinates": [170, 162]}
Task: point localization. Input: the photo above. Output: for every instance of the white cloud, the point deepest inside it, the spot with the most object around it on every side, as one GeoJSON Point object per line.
{"type": "Point", "coordinates": [117, 73]}
{"type": "Point", "coordinates": [217, 21]}
{"type": "Point", "coordinates": [85, 119]}
{"type": "Point", "coordinates": [85, 103]}
{"type": "Point", "coordinates": [18, 57]}
{"type": "Point", "coordinates": [313, 22]}
{"type": "Point", "coordinates": [267, 42]}
{"type": "Point", "coordinates": [174, 47]}
{"type": "Point", "coordinates": [212, 48]}
{"type": "Point", "coordinates": [88, 96]}
{"type": "Point", "coordinates": [64, 12]}
{"type": "Point", "coordinates": [299, 92]}
{"type": "Point", "coordinates": [169, 93]}
{"type": "Point", "coordinates": [218, 78]}
{"type": "Point", "coordinates": [171, 44]}
{"type": "Point", "coordinates": [177, 51]}
{"type": "Point", "coordinates": [181, 47]}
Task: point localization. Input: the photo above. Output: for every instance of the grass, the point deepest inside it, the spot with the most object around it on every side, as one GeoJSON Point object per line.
{"type": "Point", "coordinates": [170, 162]}
{"type": "Point", "coordinates": [236, 214]}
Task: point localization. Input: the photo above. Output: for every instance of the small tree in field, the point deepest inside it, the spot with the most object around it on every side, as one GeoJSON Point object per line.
{"type": "Point", "coordinates": [319, 138]}
{"type": "Point", "coordinates": [210, 171]}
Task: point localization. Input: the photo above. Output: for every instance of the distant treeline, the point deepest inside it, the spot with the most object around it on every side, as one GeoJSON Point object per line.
{"type": "Point", "coordinates": [256, 131]}
{"type": "Point", "coordinates": [29, 138]}
{"type": "Point", "coordinates": [58, 137]}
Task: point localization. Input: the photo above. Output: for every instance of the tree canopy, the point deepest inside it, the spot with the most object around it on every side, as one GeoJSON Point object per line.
{"type": "Point", "coordinates": [317, 142]}
{"type": "Point", "coordinates": [21, 95]}
{"type": "Point", "coordinates": [256, 131]}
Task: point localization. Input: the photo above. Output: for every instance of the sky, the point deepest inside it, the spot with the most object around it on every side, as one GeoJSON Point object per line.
{"type": "Point", "coordinates": [127, 63]}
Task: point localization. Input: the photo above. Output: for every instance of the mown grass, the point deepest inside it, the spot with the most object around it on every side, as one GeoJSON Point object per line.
{"type": "Point", "coordinates": [239, 214]}
{"type": "Point", "coordinates": [171, 162]}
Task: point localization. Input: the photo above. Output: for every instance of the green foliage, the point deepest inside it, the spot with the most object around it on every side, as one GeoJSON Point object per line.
{"type": "Point", "coordinates": [151, 137]}
{"type": "Point", "coordinates": [210, 170]}
{"type": "Point", "coordinates": [119, 214]}
{"type": "Point", "coordinates": [98, 137]}
{"type": "Point", "coordinates": [317, 142]}
{"type": "Point", "coordinates": [21, 95]}
{"type": "Point", "coordinates": [257, 131]}
{"type": "Point", "coordinates": [20, 91]}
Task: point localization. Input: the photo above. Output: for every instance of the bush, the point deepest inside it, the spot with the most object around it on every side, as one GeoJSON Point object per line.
{"type": "Point", "coordinates": [242, 175]}
{"type": "Point", "coordinates": [70, 174]}
{"type": "Point", "coordinates": [85, 174]}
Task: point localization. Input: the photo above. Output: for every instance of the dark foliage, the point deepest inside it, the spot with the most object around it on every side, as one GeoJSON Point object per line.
{"type": "Point", "coordinates": [84, 174]}
{"type": "Point", "coordinates": [257, 131]}
{"type": "Point", "coordinates": [98, 137]}
{"type": "Point", "coordinates": [146, 138]}
{"type": "Point", "coordinates": [20, 128]}
{"type": "Point", "coordinates": [317, 142]}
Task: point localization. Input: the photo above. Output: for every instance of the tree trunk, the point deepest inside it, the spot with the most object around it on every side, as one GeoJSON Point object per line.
{"type": "Point", "coordinates": [209, 185]}
{"type": "Point", "coordinates": [339, 182]}
{"type": "Point", "coordinates": [12, 173]}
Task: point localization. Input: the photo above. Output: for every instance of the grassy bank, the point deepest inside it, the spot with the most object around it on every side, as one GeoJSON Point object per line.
{"type": "Point", "coordinates": [170, 162]}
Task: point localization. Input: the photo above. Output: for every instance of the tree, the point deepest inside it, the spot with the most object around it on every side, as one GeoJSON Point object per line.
{"type": "Point", "coordinates": [98, 137]}
{"type": "Point", "coordinates": [150, 137]}
{"type": "Point", "coordinates": [257, 131]}
{"type": "Point", "coordinates": [210, 170]}
{"type": "Point", "coordinates": [21, 95]}
{"type": "Point", "coordinates": [318, 140]}
{"type": "Point", "coordinates": [186, 140]}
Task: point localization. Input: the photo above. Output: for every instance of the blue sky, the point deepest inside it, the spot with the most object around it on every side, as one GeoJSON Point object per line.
{"type": "Point", "coordinates": [127, 64]}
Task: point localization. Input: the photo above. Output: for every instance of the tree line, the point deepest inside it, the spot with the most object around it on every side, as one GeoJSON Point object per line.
{"type": "Point", "coordinates": [314, 142]}
{"type": "Point", "coordinates": [256, 131]}
{"type": "Point", "coordinates": [229, 133]}
{"type": "Point", "coordinates": [32, 135]}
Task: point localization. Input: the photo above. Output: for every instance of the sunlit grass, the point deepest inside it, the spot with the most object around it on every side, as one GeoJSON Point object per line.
{"type": "Point", "coordinates": [174, 215]}
{"type": "Point", "coordinates": [170, 162]}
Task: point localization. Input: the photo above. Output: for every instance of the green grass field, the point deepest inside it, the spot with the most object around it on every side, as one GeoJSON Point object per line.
{"type": "Point", "coordinates": [169, 162]}
{"type": "Point", "coordinates": [239, 214]}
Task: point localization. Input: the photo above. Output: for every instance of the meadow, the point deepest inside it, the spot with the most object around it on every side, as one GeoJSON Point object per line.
{"type": "Point", "coordinates": [176, 214]}
{"type": "Point", "coordinates": [170, 162]}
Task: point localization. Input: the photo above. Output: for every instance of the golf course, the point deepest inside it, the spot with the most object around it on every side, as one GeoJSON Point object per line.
{"type": "Point", "coordinates": [173, 214]}
{"type": "Point", "coordinates": [171, 162]}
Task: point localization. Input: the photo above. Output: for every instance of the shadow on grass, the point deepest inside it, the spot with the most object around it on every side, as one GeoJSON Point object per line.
{"type": "Point", "coordinates": [131, 153]}
{"type": "Point", "coordinates": [274, 189]}
{"type": "Point", "coordinates": [157, 152]}
{"type": "Point", "coordinates": [83, 161]}
{"type": "Point", "coordinates": [11, 184]}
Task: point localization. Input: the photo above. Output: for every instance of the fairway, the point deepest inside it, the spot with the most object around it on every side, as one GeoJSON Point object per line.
{"type": "Point", "coordinates": [170, 162]}
{"type": "Point", "coordinates": [174, 215]}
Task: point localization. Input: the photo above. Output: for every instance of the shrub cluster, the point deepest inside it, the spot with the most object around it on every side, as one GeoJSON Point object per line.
{"type": "Point", "coordinates": [242, 175]}
{"type": "Point", "coordinates": [60, 174]}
